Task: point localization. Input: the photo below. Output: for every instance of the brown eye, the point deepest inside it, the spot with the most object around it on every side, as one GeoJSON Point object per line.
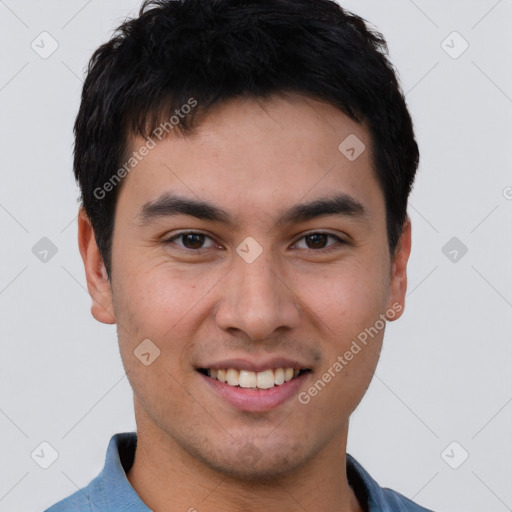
{"type": "Point", "coordinates": [190, 240]}
{"type": "Point", "coordinates": [318, 241]}
{"type": "Point", "coordinates": [193, 240]}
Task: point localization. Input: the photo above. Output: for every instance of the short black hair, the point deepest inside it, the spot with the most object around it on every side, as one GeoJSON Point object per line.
{"type": "Point", "coordinates": [201, 53]}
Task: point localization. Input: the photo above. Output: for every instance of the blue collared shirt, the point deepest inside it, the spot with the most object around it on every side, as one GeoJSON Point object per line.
{"type": "Point", "coordinates": [111, 491]}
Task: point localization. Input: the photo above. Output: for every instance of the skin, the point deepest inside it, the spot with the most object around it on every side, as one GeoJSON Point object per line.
{"type": "Point", "coordinates": [297, 299]}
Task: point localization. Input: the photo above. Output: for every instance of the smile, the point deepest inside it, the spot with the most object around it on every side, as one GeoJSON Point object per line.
{"type": "Point", "coordinates": [265, 379]}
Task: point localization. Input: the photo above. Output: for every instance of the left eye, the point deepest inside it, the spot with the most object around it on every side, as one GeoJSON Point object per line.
{"type": "Point", "coordinates": [194, 241]}
{"type": "Point", "coordinates": [318, 241]}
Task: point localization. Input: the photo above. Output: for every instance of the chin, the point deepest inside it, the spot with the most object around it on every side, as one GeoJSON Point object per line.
{"type": "Point", "coordinates": [267, 470]}
{"type": "Point", "coordinates": [252, 464]}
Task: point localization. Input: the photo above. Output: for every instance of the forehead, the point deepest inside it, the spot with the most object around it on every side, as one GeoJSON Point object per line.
{"type": "Point", "coordinates": [269, 153]}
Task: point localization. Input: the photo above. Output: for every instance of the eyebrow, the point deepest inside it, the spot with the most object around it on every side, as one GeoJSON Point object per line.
{"type": "Point", "coordinates": [169, 205]}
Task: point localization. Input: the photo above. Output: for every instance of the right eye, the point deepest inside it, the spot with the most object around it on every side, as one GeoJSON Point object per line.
{"type": "Point", "coordinates": [191, 240]}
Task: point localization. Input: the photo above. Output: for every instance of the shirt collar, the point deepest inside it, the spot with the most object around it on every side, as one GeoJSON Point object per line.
{"type": "Point", "coordinates": [117, 493]}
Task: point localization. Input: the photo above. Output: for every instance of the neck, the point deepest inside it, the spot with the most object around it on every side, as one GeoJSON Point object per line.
{"type": "Point", "coordinates": [167, 478]}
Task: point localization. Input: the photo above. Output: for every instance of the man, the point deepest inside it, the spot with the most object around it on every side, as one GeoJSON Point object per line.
{"type": "Point", "coordinates": [245, 168]}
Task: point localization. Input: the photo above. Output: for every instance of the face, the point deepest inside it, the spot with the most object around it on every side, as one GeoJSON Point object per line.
{"type": "Point", "coordinates": [287, 268]}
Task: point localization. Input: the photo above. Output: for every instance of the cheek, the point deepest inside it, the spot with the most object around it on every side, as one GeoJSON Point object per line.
{"type": "Point", "coordinates": [350, 307]}
{"type": "Point", "coordinates": [164, 306]}
{"type": "Point", "coordinates": [153, 305]}
{"type": "Point", "coordinates": [155, 302]}
{"type": "Point", "coordinates": [347, 299]}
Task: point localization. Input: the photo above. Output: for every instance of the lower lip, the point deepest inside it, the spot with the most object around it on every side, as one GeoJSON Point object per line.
{"type": "Point", "coordinates": [256, 400]}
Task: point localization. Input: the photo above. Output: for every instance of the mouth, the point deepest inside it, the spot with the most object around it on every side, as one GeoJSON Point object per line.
{"type": "Point", "coordinates": [266, 379]}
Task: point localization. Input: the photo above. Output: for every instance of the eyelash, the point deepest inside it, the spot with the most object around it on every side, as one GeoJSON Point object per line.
{"type": "Point", "coordinates": [328, 248]}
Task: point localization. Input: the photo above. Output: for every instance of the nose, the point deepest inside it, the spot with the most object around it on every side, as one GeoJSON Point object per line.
{"type": "Point", "coordinates": [257, 299]}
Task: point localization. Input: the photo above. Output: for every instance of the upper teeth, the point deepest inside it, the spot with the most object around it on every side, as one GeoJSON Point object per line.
{"type": "Point", "coordinates": [247, 379]}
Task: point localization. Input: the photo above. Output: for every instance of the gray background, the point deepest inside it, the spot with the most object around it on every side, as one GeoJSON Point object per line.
{"type": "Point", "coordinates": [445, 370]}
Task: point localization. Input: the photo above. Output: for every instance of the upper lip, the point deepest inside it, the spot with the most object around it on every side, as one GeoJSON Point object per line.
{"type": "Point", "coordinates": [255, 365]}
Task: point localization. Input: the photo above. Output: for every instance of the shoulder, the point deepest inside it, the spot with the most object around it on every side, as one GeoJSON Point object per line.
{"type": "Point", "coordinates": [109, 485]}
{"type": "Point", "coordinates": [83, 500]}
{"type": "Point", "coordinates": [375, 498]}
{"type": "Point", "coordinates": [402, 504]}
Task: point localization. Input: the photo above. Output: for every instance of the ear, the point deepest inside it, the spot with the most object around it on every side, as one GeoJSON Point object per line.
{"type": "Point", "coordinates": [98, 283]}
{"type": "Point", "coordinates": [398, 278]}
